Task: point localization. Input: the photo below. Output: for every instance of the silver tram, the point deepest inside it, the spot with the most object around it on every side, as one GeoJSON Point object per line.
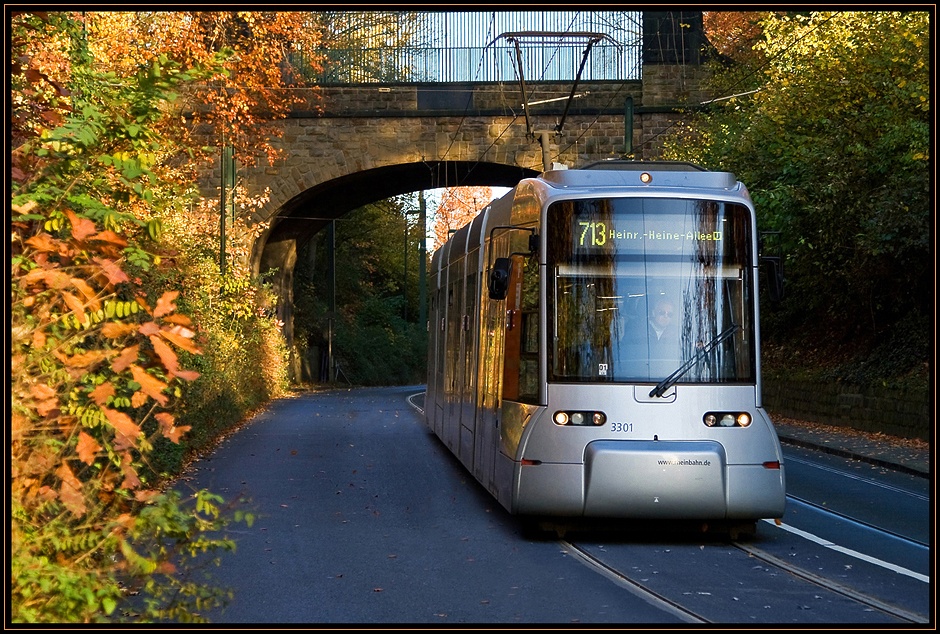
{"type": "Point", "coordinates": [594, 347]}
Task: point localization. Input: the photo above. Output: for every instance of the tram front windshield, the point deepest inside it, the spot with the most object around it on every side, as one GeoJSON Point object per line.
{"type": "Point", "coordinates": [640, 287]}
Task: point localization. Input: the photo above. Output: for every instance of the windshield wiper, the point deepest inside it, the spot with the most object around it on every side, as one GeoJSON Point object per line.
{"type": "Point", "coordinates": [670, 380]}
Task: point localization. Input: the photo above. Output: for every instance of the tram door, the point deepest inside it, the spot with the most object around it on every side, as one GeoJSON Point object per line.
{"type": "Point", "coordinates": [512, 359]}
{"type": "Point", "coordinates": [438, 328]}
{"type": "Point", "coordinates": [521, 366]}
{"type": "Point", "coordinates": [468, 362]}
{"type": "Point", "coordinates": [453, 391]}
{"type": "Point", "coordinates": [489, 372]}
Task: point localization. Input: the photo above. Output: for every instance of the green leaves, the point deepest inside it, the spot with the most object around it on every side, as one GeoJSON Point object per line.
{"type": "Point", "coordinates": [834, 149]}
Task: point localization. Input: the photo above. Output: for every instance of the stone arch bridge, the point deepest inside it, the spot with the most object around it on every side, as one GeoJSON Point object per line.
{"type": "Point", "coordinates": [357, 144]}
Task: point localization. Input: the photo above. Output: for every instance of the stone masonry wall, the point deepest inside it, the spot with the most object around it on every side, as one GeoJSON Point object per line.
{"type": "Point", "coordinates": [904, 413]}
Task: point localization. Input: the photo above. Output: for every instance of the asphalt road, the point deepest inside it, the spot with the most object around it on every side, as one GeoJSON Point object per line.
{"type": "Point", "coordinates": [365, 517]}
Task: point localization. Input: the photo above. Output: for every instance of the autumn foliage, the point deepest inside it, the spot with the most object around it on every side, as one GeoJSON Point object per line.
{"type": "Point", "coordinates": [252, 83]}
{"type": "Point", "coordinates": [735, 35]}
{"type": "Point", "coordinates": [458, 206]}
{"type": "Point", "coordinates": [116, 332]}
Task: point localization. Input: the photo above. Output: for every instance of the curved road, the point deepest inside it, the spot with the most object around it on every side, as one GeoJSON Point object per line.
{"type": "Point", "coordinates": [365, 517]}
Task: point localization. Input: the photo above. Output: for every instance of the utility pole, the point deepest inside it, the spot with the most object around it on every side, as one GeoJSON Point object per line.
{"type": "Point", "coordinates": [404, 288]}
{"type": "Point", "coordinates": [222, 209]}
{"type": "Point", "coordinates": [331, 273]}
{"type": "Point", "coordinates": [422, 259]}
{"type": "Point", "coordinates": [227, 168]}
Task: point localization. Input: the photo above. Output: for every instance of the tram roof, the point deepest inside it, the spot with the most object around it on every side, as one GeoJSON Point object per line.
{"type": "Point", "coordinates": [616, 173]}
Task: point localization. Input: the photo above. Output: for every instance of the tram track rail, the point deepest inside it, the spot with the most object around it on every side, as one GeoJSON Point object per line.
{"type": "Point", "coordinates": [848, 518]}
{"type": "Point", "coordinates": [829, 584]}
{"type": "Point", "coordinates": [683, 613]}
{"type": "Point", "coordinates": [688, 616]}
{"type": "Point", "coordinates": [638, 589]}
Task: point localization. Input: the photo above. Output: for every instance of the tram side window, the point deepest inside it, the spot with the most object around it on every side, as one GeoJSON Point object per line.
{"type": "Point", "coordinates": [451, 337]}
{"type": "Point", "coordinates": [529, 349]}
{"type": "Point", "coordinates": [469, 332]}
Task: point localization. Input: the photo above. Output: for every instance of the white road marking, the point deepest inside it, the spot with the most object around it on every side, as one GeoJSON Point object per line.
{"type": "Point", "coordinates": [851, 553]}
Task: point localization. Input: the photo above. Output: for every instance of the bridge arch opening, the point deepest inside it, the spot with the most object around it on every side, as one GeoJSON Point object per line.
{"type": "Point", "coordinates": [302, 217]}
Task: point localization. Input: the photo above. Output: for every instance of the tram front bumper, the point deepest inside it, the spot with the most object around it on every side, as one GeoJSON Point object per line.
{"type": "Point", "coordinates": [654, 480]}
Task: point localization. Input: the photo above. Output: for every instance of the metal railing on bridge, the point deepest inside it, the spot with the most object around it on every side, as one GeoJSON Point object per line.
{"type": "Point", "coordinates": [406, 47]}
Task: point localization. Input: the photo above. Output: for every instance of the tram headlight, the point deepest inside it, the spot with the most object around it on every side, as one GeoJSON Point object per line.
{"type": "Point", "coordinates": [727, 419]}
{"type": "Point", "coordinates": [579, 418]}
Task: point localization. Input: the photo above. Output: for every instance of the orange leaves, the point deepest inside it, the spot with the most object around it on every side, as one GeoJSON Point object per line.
{"type": "Point", "coordinates": [168, 427]}
{"type": "Point", "coordinates": [116, 330]}
{"type": "Point", "coordinates": [70, 491]}
{"type": "Point", "coordinates": [52, 278]}
{"type": "Point", "coordinates": [76, 306]}
{"type": "Point", "coordinates": [88, 293]}
{"type": "Point", "coordinates": [45, 399]}
{"type": "Point", "coordinates": [87, 448]}
{"type": "Point", "coordinates": [459, 206]}
{"type": "Point", "coordinates": [44, 242]}
{"type": "Point", "coordinates": [181, 337]}
{"type": "Point", "coordinates": [84, 361]}
{"type": "Point", "coordinates": [182, 320]}
{"type": "Point", "coordinates": [101, 393]}
{"type": "Point", "coordinates": [165, 304]}
{"type": "Point", "coordinates": [734, 33]}
{"type": "Point", "coordinates": [150, 385]}
{"type": "Point", "coordinates": [125, 359]}
{"type": "Point", "coordinates": [112, 271]}
{"type": "Point", "coordinates": [131, 481]}
{"type": "Point", "coordinates": [81, 227]}
{"type": "Point", "coordinates": [125, 431]}
{"type": "Point", "coordinates": [167, 356]}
